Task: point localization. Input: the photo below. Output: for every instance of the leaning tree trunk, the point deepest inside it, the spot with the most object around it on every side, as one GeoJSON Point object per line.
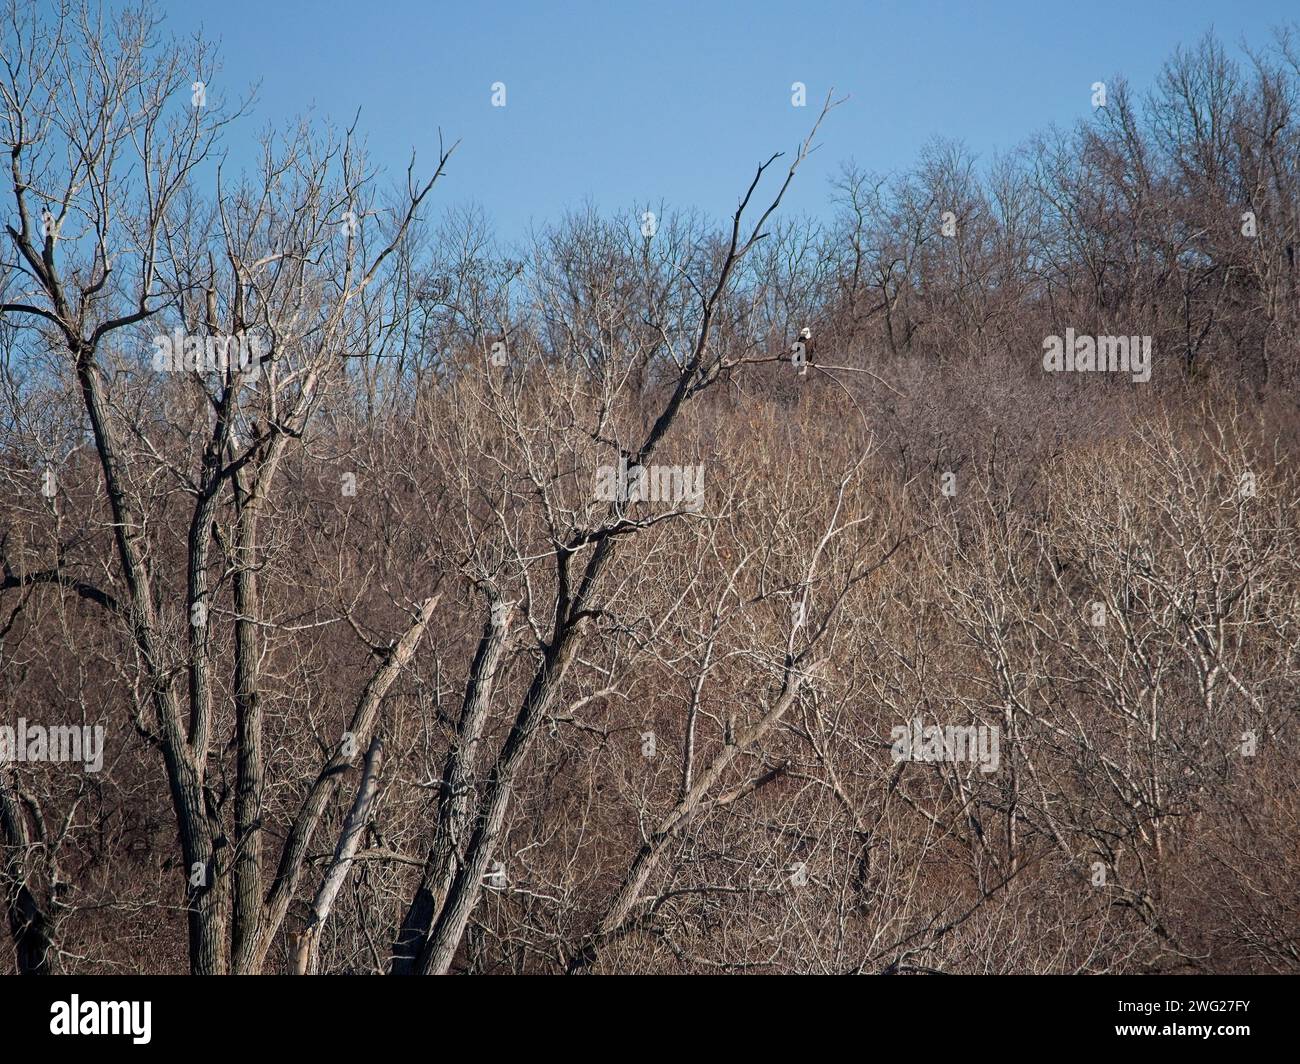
{"type": "Point", "coordinates": [30, 924]}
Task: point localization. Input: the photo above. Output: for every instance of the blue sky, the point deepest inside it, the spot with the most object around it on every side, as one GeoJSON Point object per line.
{"type": "Point", "coordinates": [622, 104]}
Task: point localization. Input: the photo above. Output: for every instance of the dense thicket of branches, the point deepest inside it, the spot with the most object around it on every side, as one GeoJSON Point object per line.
{"type": "Point", "coordinates": [388, 685]}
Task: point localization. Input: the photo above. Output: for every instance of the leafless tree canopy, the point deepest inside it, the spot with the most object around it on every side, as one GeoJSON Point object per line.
{"type": "Point", "coordinates": [301, 503]}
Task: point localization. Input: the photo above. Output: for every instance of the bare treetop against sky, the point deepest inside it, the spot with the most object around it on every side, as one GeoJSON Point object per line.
{"type": "Point", "coordinates": [830, 506]}
{"type": "Point", "coordinates": [626, 103]}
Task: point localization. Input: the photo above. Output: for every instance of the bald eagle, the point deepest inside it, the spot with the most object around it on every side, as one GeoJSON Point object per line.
{"type": "Point", "coordinates": [801, 352]}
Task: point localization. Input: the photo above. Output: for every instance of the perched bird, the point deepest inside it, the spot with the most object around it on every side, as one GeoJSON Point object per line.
{"type": "Point", "coordinates": [805, 338]}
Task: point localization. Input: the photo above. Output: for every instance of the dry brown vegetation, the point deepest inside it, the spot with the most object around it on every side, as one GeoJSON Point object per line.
{"type": "Point", "coordinates": [387, 686]}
